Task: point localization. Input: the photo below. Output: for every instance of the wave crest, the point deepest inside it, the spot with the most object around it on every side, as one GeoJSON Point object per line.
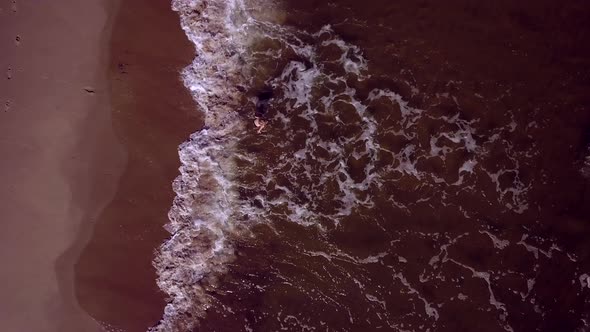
{"type": "Point", "coordinates": [200, 217]}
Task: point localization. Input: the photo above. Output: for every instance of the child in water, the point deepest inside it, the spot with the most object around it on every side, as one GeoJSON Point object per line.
{"type": "Point", "coordinates": [261, 109]}
{"type": "Point", "coordinates": [260, 124]}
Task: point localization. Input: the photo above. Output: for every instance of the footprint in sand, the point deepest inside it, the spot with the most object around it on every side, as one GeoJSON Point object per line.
{"type": "Point", "coordinates": [17, 40]}
{"type": "Point", "coordinates": [9, 73]}
{"type": "Point", "coordinates": [14, 8]}
{"type": "Point", "coordinates": [7, 105]}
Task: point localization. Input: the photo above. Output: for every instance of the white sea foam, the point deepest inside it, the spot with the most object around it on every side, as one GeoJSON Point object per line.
{"type": "Point", "coordinates": [584, 281]}
{"type": "Point", "coordinates": [201, 215]}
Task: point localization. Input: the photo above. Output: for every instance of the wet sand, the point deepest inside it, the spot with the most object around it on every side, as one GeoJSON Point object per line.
{"type": "Point", "coordinates": [92, 113]}
{"type": "Point", "coordinates": [152, 114]}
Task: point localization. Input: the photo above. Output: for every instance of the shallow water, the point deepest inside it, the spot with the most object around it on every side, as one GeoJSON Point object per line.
{"type": "Point", "coordinates": [422, 168]}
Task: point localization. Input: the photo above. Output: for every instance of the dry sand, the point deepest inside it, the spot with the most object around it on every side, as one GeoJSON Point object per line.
{"type": "Point", "coordinates": [89, 127]}
{"type": "Point", "coordinates": [44, 169]}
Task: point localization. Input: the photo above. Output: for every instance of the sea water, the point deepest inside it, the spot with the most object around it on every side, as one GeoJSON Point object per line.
{"type": "Point", "coordinates": [399, 184]}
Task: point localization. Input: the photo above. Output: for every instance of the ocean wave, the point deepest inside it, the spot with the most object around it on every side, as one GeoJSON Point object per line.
{"type": "Point", "coordinates": [201, 215]}
{"type": "Point", "coordinates": [335, 147]}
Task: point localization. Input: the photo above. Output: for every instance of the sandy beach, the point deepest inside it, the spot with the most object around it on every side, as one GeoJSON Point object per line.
{"type": "Point", "coordinates": [92, 113]}
{"type": "Point", "coordinates": [51, 132]}
{"type": "Point", "coordinates": [152, 114]}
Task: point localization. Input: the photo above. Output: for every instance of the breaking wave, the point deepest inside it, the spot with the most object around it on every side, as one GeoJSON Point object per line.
{"type": "Point", "coordinates": [338, 146]}
{"type": "Point", "coordinates": [201, 215]}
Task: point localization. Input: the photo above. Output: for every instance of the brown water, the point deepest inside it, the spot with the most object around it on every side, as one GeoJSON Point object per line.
{"type": "Point", "coordinates": [422, 170]}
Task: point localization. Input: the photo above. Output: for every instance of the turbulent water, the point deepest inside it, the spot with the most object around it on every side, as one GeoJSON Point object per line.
{"type": "Point", "coordinates": [424, 168]}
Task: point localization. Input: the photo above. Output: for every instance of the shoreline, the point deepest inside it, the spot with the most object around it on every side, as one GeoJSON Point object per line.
{"type": "Point", "coordinates": [152, 113]}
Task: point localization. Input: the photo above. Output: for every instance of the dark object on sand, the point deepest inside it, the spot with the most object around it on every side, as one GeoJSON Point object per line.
{"type": "Point", "coordinates": [122, 68]}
